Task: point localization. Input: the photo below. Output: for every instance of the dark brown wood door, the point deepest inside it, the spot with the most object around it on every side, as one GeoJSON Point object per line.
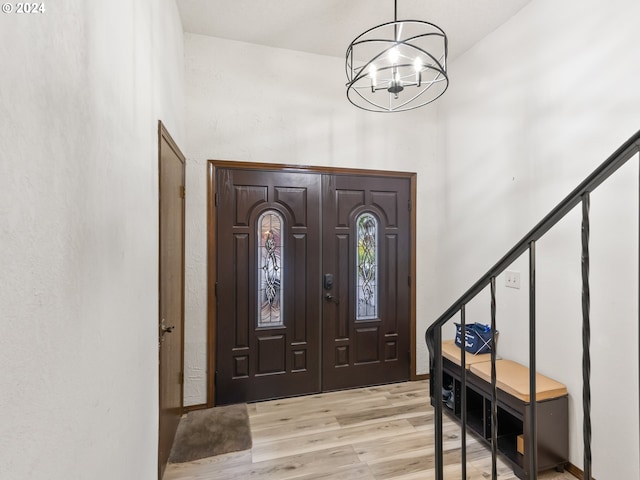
{"type": "Point", "coordinates": [366, 252]}
{"type": "Point", "coordinates": [268, 284]}
{"type": "Point", "coordinates": [171, 294]}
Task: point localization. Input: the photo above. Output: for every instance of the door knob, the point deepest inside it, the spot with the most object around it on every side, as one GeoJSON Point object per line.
{"type": "Point", "coordinates": [331, 298]}
{"type": "Point", "coordinates": [166, 329]}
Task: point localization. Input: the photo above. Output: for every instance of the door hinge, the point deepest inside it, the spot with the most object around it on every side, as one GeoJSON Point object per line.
{"type": "Point", "coordinates": [183, 192]}
{"type": "Point", "coordinates": [409, 280]}
{"type": "Point", "coordinates": [181, 378]}
{"type": "Point", "coordinates": [216, 198]}
{"type": "Point", "coordinates": [409, 205]}
{"type": "Point", "coordinates": [215, 289]}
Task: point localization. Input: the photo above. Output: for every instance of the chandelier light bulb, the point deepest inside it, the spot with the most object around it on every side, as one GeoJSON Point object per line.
{"type": "Point", "coordinates": [417, 66]}
{"type": "Point", "coordinates": [372, 74]}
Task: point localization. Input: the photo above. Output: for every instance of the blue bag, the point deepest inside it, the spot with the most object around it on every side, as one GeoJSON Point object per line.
{"type": "Point", "coordinates": [477, 338]}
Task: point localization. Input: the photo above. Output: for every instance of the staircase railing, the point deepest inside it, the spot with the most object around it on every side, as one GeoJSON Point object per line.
{"type": "Point", "coordinates": [433, 336]}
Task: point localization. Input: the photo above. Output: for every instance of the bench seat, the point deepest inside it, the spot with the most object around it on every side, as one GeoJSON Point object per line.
{"type": "Point", "coordinates": [513, 378]}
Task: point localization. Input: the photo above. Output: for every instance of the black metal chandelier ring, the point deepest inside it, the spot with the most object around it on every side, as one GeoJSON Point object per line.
{"type": "Point", "coordinates": [407, 57]}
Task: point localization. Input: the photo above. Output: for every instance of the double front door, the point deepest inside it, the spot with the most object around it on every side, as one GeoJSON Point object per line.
{"type": "Point", "coordinates": [312, 282]}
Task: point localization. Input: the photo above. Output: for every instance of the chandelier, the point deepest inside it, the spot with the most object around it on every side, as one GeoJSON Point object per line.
{"type": "Point", "coordinates": [397, 66]}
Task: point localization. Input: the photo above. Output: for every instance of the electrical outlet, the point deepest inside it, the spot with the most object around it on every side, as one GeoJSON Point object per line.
{"type": "Point", "coordinates": [512, 279]}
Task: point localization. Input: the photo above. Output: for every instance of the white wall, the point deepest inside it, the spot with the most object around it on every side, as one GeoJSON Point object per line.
{"type": "Point", "coordinates": [259, 104]}
{"type": "Point", "coordinates": [82, 88]}
{"type": "Point", "coordinates": [531, 111]}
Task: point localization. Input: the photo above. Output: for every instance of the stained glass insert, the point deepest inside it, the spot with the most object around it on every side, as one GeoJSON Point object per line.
{"type": "Point", "coordinates": [367, 267]}
{"type": "Point", "coordinates": [270, 269]}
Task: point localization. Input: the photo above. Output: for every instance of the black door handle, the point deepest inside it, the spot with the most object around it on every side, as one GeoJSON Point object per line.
{"type": "Point", "coordinates": [166, 329]}
{"type": "Point", "coordinates": [330, 298]}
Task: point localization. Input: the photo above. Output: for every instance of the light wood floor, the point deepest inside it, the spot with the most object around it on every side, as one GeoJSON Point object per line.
{"type": "Point", "coordinates": [372, 433]}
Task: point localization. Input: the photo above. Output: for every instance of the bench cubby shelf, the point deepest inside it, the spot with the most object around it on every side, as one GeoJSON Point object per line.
{"type": "Point", "coordinates": [513, 418]}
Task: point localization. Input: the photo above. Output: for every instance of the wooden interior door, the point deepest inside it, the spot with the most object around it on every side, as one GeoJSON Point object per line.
{"type": "Point", "coordinates": [267, 284]}
{"type": "Point", "coordinates": [171, 293]}
{"type": "Point", "coordinates": [366, 254]}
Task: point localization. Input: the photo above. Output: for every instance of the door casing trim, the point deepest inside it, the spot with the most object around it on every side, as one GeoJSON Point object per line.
{"type": "Point", "coordinates": [212, 166]}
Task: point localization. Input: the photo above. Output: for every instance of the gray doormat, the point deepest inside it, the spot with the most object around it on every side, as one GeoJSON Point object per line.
{"type": "Point", "coordinates": [205, 433]}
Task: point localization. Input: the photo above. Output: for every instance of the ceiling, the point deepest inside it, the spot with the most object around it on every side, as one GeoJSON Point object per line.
{"type": "Point", "coordinates": [326, 27]}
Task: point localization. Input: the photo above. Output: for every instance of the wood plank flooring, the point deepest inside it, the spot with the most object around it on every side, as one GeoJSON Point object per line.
{"type": "Point", "coordinates": [374, 433]}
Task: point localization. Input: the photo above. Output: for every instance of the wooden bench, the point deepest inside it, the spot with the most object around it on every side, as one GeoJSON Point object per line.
{"type": "Point", "coordinates": [513, 378]}
{"type": "Point", "coordinates": [514, 408]}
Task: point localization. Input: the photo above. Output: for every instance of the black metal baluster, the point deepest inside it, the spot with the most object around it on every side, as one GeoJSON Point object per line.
{"type": "Point", "coordinates": [463, 394]}
{"type": "Point", "coordinates": [494, 387]}
{"type": "Point", "coordinates": [586, 339]}
{"type": "Point", "coordinates": [434, 334]}
{"type": "Point", "coordinates": [437, 395]}
{"type": "Point", "coordinates": [533, 409]}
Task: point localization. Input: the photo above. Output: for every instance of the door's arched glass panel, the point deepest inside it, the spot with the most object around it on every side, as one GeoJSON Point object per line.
{"type": "Point", "coordinates": [270, 269]}
{"type": "Point", "coordinates": [366, 267]}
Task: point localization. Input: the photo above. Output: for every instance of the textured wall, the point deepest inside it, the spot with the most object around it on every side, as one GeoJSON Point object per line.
{"type": "Point", "coordinates": [532, 110]}
{"type": "Point", "coordinates": [81, 90]}
{"type": "Point", "coordinates": [250, 103]}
